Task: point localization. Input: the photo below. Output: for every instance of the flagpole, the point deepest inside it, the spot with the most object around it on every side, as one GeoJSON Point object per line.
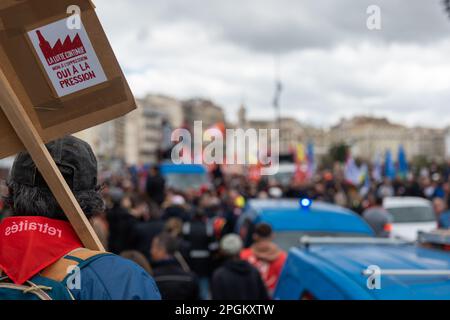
{"type": "Point", "coordinates": [278, 90]}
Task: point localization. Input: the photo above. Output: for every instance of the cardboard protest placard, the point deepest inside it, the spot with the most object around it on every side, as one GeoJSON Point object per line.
{"type": "Point", "coordinates": [67, 79]}
{"type": "Point", "coordinates": [56, 79]}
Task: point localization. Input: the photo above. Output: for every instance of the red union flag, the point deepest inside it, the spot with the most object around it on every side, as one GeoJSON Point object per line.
{"type": "Point", "coordinates": [67, 56]}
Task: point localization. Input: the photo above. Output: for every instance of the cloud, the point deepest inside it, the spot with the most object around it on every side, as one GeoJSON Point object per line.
{"type": "Point", "coordinates": [331, 64]}
{"type": "Point", "coordinates": [285, 25]}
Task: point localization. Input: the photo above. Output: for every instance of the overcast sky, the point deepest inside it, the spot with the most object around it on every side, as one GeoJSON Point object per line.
{"type": "Point", "coordinates": [332, 66]}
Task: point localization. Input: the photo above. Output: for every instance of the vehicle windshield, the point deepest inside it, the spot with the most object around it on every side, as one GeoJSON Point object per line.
{"type": "Point", "coordinates": [284, 178]}
{"type": "Point", "coordinates": [287, 240]}
{"type": "Point", "coordinates": [186, 181]}
{"type": "Point", "coordinates": [412, 214]}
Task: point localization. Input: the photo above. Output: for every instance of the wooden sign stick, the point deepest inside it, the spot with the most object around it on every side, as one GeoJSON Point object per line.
{"type": "Point", "coordinates": [19, 119]}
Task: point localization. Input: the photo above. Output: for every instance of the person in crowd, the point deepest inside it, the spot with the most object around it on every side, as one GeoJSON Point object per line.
{"type": "Point", "coordinates": [218, 176]}
{"type": "Point", "coordinates": [46, 244]}
{"type": "Point", "coordinates": [234, 203]}
{"type": "Point", "coordinates": [119, 220]}
{"type": "Point", "coordinates": [386, 189]}
{"type": "Point", "coordinates": [199, 233]}
{"type": "Point", "coordinates": [174, 282]}
{"type": "Point", "coordinates": [99, 223]}
{"type": "Point", "coordinates": [236, 279]}
{"type": "Point", "coordinates": [142, 233]}
{"type": "Point", "coordinates": [175, 207]}
{"type": "Point", "coordinates": [210, 204]}
{"type": "Point", "coordinates": [444, 217]}
{"type": "Point", "coordinates": [446, 172]}
{"type": "Point", "coordinates": [413, 187]}
{"type": "Point", "coordinates": [126, 213]}
{"type": "Point", "coordinates": [166, 141]}
{"type": "Point", "coordinates": [429, 187]}
{"type": "Point", "coordinates": [355, 200]}
{"type": "Point", "coordinates": [156, 186]}
{"type": "Point", "coordinates": [377, 217]}
{"type": "Point", "coordinates": [174, 226]}
{"type": "Point", "coordinates": [340, 198]}
{"type": "Point", "coordinates": [265, 255]}
{"type": "Point", "coordinates": [438, 187]}
{"type": "Point", "coordinates": [440, 208]}
{"type": "Point", "coordinates": [4, 210]}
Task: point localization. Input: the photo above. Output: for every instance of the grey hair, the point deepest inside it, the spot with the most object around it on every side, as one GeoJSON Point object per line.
{"type": "Point", "coordinates": [36, 201]}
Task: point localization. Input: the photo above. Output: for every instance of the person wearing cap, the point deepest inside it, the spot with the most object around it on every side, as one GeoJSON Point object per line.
{"type": "Point", "coordinates": [236, 279]}
{"type": "Point", "coordinates": [175, 207]}
{"type": "Point", "coordinates": [38, 243]}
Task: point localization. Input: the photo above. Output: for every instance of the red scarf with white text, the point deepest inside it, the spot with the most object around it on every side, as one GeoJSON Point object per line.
{"type": "Point", "coordinates": [28, 245]}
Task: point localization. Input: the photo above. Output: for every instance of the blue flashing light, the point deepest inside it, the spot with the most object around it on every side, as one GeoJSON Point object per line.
{"type": "Point", "coordinates": [305, 203]}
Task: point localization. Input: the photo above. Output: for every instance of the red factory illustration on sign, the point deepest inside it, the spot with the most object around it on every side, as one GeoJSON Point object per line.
{"type": "Point", "coordinates": [60, 51]}
{"type": "Point", "coordinates": [68, 57]}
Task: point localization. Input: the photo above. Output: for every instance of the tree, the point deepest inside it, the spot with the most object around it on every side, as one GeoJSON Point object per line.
{"type": "Point", "coordinates": [339, 152]}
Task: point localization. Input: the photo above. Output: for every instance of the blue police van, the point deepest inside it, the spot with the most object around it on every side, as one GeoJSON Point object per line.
{"type": "Point", "coordinates": [292, 219]}
{"type": "Point", "coordinates": [334, 255]}
{"type": "Point", "coordinates": [363, 269]}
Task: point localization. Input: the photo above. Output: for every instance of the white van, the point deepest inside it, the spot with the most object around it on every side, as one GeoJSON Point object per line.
{"type": "Point", "coordinates": [409, 216]}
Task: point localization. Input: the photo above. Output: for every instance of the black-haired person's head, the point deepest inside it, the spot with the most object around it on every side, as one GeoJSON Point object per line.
{"type": "Point", "coordinates": [29, 194]}
{"type": "Point", "coordinates": [379, 200]}
{"type": "Point", "coordinates": [154, 170]}
{"type": "Point", "coordinates": [263, 232]}
{"type": "Point", "coordinates": [163, 247]}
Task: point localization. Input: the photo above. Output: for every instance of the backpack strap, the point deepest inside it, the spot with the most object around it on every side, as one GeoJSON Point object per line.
{"type": "Point", "coordinates": [79, 257]}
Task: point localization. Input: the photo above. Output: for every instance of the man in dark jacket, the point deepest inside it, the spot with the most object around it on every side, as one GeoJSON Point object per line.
{"type": "Point", "coordinates": [236, 279]}
{"type": "Point", "coordinates": [120, 223]}
{"type": "Point", "coordinates": [199, 233]}
{"type": "Point", "coordinates": [143, 234]}
{"type": "Point", "coordinates": [156, 186]}
{"type": "Point", "coordinates": [174, 282]}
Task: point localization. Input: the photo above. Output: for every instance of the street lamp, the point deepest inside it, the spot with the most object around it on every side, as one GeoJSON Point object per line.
{"type": "Point", "coordinates": [278, 92]}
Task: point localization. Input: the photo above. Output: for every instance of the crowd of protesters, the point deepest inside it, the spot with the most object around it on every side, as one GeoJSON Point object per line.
{"type": "Point", "coordinates": [187, 240]}
{"type": "Point", "coordinates": [431, 182]}
{"type": "Point", "coordinates": [189, 237]}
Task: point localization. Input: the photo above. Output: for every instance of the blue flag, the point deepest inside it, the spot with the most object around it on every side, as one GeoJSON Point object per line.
{"type": "Point", "coordinates": [389, 166]}
{"type": "Point", "coordinates": [403, 167]}
{"type": "Point", "coordinates": [311, 159]}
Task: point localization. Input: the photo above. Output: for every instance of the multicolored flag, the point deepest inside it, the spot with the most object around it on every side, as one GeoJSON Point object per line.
{"type": "Point", "coordinates": [354, 174]}
{"type": "Point", "coordinates": [377, 172]}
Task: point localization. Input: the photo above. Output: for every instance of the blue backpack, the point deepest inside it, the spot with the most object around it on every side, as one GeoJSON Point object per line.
{"type": "Point", "coordinates": [52, 283]}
